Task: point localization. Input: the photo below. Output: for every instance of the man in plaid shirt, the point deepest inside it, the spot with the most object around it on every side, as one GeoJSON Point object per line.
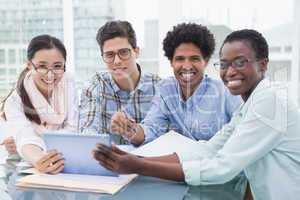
{"type": "Point", "coordinates": [124, 88]}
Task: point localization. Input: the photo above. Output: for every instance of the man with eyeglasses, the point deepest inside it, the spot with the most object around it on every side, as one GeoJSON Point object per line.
{"type": "Point", "coordinates": [124, 88]}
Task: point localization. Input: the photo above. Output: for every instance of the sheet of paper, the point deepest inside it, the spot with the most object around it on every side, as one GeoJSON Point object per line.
{"type": "Point", "coordinates": [165, 144]}
{"type": "Point", "coordinates": [76, 182]}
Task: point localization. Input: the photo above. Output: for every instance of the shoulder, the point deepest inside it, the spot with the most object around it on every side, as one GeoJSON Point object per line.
{"type": "Point", "coordinates": [168, 82]}
{"type": "Point", "coordinates": [97, 82]}
{"type": "Point", "coordinates": [13, 100]}
{"type": "Point", "coordinates": [270, 104]}
{"type": "Point", "coordinates": [217, 86]}
{"type": "Point", "coordinates": [215, 83]}
{"type": "Point", "coordinates": [14, 97]}
{"type": "Point", "coordinates": [168, 85]}
{"type": "Point", "coordinates": [267, 94]}
{"type": "Point", "coordinates": [152, 78]}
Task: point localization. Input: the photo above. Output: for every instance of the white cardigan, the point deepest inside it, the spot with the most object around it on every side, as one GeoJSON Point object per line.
{"type": "Point", "coordinates": [26, 132]}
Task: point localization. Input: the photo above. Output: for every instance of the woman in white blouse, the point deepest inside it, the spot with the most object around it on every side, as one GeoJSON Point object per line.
{"type": "Point", "coordinates": [44, 100]}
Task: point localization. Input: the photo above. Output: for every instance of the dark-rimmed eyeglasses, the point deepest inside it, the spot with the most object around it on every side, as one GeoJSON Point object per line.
{"type": "Point", "coordinates": [123, 54]}
{"type": "Point", "coordinates": [58, 68]}
{"type": "Point", "coordinates": [238, 63]}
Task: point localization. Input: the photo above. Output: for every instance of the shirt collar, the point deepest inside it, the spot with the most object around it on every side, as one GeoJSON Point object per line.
{"type": "Point", "coordinates": [200, 90]}
{"type": "Point", "coordinates": [264, 83]}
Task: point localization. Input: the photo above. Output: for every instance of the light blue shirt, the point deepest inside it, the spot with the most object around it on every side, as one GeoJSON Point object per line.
{"type": "Point", "coordinates": [262, 138]}
{"type": "Point", "coordinates": [199, 117]}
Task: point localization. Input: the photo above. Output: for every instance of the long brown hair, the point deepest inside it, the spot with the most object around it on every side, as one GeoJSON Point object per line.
{"type": "Point", "coordinates": [37, 43]}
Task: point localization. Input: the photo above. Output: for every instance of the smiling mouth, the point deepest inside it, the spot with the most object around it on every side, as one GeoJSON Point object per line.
{"type": "Point", "coordinates": [119, 69]}
{"type": "Point", "coordinates": [187, 75]}
{"type": "Point", "coordinates": [48, 82]}
{"type": "Point", "coordinates": [234, 83]}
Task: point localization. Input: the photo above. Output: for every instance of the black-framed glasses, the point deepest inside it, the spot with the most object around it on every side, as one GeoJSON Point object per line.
{"type": "Point", "coordinates": [123, 54]}
{"type": "Point", "coordinates": [238, 63]}
{"type": "Point", "coordinates": [58, 68]}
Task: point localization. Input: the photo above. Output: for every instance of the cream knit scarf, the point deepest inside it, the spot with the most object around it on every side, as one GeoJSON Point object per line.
{"type": "Point", "coordinates": [52, 112]}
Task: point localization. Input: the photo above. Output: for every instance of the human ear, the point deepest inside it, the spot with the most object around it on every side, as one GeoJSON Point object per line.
{"type": "Point", "coordinates": [263, 65]}
{"type": "Point", "coordinates": [137, 52]}
{"type": "Point", "coordinates": [29, 65]}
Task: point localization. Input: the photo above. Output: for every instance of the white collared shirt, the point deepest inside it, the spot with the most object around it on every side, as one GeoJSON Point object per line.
{"type": "Point", "coordinates": [262, 139]}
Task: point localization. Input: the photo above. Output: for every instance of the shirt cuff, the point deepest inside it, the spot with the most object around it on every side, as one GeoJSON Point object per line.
{"type": "Point", "coordinates": [191, 170]}
{"type": "Point", "coordinates": [148, 136]}
{"type": "Point", "coordinates": [197, 151]}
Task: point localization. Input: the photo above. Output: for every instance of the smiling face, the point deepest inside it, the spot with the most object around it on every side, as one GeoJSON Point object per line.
{"type": "Point", "coordinates": [121, 68]}
{"type": "Point", "coordinates": [50, 59]}
{"type": "Point", "coordinates": [241, 81]}
{"type": "Point", "coordinates": [188, 67]}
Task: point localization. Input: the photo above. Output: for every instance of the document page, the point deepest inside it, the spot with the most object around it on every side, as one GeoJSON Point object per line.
{"type": "Point", "coordinates": [165, 144]}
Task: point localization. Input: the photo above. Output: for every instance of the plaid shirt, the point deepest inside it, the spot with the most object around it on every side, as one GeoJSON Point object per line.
{"type": "Point", "coordinates": [102, 98]}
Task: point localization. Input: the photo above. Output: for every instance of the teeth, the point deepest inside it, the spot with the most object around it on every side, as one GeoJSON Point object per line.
{"type": "Point", "coordinates": [119, 69]}
{"type": "Point", "coordinates": [187, 76]}
{"type": "Point", "coordinates": [49, 82]}
{"type": "Point", "coordinates": [234, 83]}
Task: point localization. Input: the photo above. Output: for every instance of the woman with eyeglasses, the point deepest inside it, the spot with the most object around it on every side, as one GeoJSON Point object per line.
{"type": "Point", "coordinates": [44, 100]}
{"type": "Point", "coordinates": [262, 139]}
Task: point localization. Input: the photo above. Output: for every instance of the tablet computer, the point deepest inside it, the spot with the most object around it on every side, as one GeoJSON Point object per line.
{"type": "Point", "coordinates": [77, 151]}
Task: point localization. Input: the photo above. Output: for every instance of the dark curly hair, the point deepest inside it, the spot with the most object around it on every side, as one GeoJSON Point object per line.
{"type": "Point", "coordinates": [117, 28]}
{"type": "Point", "coordinates": [255, 39]}
{"type": "Point", "coordinates": [189, 33]}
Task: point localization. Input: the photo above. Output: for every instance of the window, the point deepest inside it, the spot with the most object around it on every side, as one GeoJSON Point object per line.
{"type": "Point", "coordinates": [2, 71]}
{"type": "Point", "coordinates": [288, 49]}
{"type": "Point", "coordinates": [11, 56]}
{"type": "Point", "coordinates": [275, 49]}
{"type": "Point", "coordinates": [2, 56]}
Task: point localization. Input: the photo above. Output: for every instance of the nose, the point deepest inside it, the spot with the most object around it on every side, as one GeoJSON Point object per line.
{"type": "Point", "coordinates": [187, 64]}
{"type": "Point", "coordinates": [117, 60]}
{"type": "Point", "coordinates": [50, 74]}
{"type": "Point", "coordinates": [231, 71]}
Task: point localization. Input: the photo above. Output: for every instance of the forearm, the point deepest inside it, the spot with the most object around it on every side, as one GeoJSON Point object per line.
{"type": "Point", "coordinates": [172, 158]}
{"type": "Point", "coordinates": [32, 153]}
{"type": "Point", "coordinates": [164, 170]}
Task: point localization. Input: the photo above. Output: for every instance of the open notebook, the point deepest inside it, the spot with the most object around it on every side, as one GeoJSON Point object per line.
{"type": "Point", "coordinates": [166, 144]}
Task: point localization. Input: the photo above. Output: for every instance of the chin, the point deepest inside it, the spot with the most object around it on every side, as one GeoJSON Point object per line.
{"type": "Point", "coordinates": [235, 92]}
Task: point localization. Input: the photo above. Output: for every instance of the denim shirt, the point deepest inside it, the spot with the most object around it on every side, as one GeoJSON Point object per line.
{"type": "Point", "coordinates": [199, 117]}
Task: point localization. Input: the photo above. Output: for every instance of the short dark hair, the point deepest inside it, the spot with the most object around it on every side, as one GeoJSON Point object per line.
{"type": "Point", "coordinates": [112, 29]}
{"type": "Point", "coordinates": [255, 39]}
{"type": "Point", "coordinates": [189, 33]}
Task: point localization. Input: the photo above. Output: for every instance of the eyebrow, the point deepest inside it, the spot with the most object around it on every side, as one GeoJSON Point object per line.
{"type": "Point", "coordinates": [44, 62]}
{"type": "Point", "coordinates": [189, 56]}
{"type": "Point", "coordinates": [115, 51]}
{"type": "Point", "coordinates": [234, 58]}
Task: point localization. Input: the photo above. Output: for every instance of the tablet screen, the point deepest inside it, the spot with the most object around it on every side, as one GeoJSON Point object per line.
{"type": "Point", "coordinates": [77, 152]}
